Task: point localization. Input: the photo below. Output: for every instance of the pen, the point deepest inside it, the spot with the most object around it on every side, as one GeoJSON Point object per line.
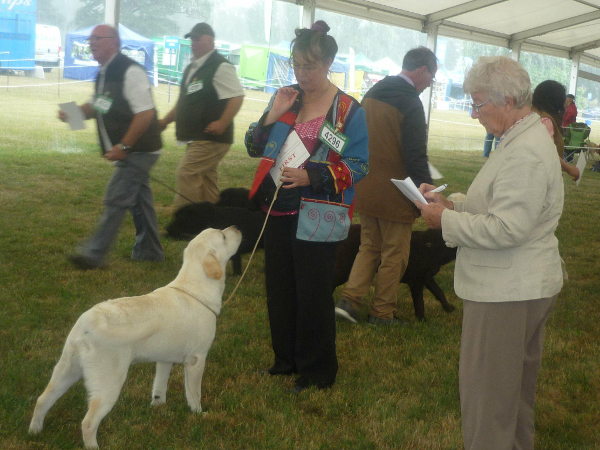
{"type": "Point", "coordinates": [440, 188]}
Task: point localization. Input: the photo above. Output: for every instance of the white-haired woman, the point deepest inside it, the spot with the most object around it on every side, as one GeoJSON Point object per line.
{"type": "Point", "coordinates": [508, 269]}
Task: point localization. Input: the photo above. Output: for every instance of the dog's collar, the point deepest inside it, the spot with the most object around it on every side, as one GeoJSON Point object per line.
{"type": "Point", "coordinates": [185, 291]}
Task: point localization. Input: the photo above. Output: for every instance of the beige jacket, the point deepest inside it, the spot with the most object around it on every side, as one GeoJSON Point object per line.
{"type": "Point", "coordinates": [504, 230]}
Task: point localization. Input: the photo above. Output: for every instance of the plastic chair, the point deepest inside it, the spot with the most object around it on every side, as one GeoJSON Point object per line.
{"type": "Point", "coordinates": [575, 139]}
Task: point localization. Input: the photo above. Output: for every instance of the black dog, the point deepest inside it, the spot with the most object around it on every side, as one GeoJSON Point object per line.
{"type": "Point", "coordinates": [191, 219]}
{"type": "Point", "coordinates": [238, 197]}
{"type": "Point", "coordinates": [428, 253]}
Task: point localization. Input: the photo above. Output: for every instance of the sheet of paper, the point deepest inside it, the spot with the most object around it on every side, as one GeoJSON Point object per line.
{"type": "Point", "coordinates": [581, 166]}
{"type": "Point", "coordinates": [293, 154]}
{"type": "Point", "coordinates": [408, 188]}
{"type": "Point", "coordinates": [435, 174]}
{"type": "Point", "coordinates": [75, 117]}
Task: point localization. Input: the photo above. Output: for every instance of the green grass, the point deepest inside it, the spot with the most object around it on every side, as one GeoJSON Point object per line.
{"type": "Point", "coordinates": [396, 388]}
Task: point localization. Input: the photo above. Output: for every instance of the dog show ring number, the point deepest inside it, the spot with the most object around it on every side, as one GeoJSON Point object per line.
{"type": "Point", "coordinates": [334, 139]}
{"type": "Point", "coordinates": [102, 103]}
{"type": "Point", "coordinates": [195, 87]}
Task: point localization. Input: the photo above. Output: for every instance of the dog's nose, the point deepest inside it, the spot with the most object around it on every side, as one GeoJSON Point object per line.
{"type": "Point", "coordinates": [234, 228]}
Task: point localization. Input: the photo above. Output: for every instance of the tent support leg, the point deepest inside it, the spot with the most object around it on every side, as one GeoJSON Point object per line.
{"type": "Point", "coordinates": [574, 73]}
{"type": "Point", "coordinates": [112, 12]}
{"type": "Point", "coordinates": [432, 34]}
{"type": "Point", "coordinates": [308, 13]}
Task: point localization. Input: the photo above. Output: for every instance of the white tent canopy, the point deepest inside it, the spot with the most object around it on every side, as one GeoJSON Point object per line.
{"type": "Point", "coordinates": [386, 65]}
{"type": "Point", "coordinates": [553, 27]}
{"type": "Point", "coordinates": [562, 28]}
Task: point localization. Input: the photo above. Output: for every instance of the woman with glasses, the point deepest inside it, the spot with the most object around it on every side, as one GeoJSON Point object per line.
{"type": "Point", "coordinates": [313, 142]}
{"type": "Point", "coordinates": [508, 269]}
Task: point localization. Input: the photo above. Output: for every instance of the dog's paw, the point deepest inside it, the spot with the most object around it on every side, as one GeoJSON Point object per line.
{"type": "Point", "coordinates": [158, 400]}
{"type": "Point", "coordinates": [35, 427]}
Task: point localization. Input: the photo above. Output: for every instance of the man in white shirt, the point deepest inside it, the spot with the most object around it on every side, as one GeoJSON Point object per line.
{"type": "Point", "coordinates": [210, 97]}
{"type": "Point", "coordinates": [129, 136]}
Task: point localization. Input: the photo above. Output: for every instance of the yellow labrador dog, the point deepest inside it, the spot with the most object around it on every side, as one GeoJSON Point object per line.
{"type": "Point", "coordinates": [593, 149]}
{"type": "Point", "coordinates": [173, 324]}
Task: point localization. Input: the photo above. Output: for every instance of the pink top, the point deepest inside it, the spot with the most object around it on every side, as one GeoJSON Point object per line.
{"type": "Point", "coordinates": [308, 132]}
{"type": "Point", "coordinates": [548, 124]}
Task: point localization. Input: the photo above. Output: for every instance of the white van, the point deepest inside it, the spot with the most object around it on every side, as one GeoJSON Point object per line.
{"type": "Point", "coordinates": [47, 46]}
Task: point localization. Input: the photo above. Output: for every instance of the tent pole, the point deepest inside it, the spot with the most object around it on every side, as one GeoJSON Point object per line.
{"type": "Point", "coordinates": [170, 79]}
{"type": "Point", "coordinates": [432, 33]}
{"type": "Point", "coordinates": [575, 57]}
{"type": "Point", "coordinates": [308, 13]}
{"type": "Point", "coordinates": [112, 12]}
{"type": "Point", "coordinates": [515, 51]}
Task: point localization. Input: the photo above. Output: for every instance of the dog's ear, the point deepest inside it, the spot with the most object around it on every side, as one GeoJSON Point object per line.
{"type": "Point", "coordinates": [212, 266]}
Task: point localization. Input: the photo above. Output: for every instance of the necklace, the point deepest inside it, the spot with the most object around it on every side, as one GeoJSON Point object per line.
{"type": "Point", "coordinates": [318, 96]}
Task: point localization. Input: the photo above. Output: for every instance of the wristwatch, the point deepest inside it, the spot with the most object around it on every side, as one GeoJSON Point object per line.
{"type": "Point", "coordinates": [125, 148]}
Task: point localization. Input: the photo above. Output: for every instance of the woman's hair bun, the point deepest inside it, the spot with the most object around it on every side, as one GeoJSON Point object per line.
{"type": "Point", "coordinates": [314, 42]}
{"type": "Point", "coordinates": [320, 25]}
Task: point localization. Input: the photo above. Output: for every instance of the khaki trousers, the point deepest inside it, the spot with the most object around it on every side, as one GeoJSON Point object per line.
{"type": "Point", "coordinates": [500, 356]}
{"type": "Point", "coordinates": [384, 249]}
{"type": "Point", "coordinates": [197, 172]}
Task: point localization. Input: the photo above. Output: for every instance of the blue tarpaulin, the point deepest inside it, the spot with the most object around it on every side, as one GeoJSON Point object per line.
{"type": "Point", "coordinates": [17, 34]}
{"type": "Point", "coordinates": [79, 64]}
{"type": "Point", "coordinates": [279, 72]}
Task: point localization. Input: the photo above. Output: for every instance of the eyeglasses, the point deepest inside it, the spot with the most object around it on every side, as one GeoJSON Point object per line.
{"type": "Point", "coordinates": [94, 39]}
{"type": "Point", "coordinates": [304, 67]}
{"type": "Point", "coordinates": [433, 80]}
{"type": "Point", "coordinates": [477, 107]}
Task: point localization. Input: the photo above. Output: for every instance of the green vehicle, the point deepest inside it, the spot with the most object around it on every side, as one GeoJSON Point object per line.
{"type": "Point", "coordinates": [171, 65]}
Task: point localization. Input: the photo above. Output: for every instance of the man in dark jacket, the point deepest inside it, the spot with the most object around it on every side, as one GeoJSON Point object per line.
{"type": "Point", "coordinates": [129, 136]}
{"type": "Point", "coordinates": [210, 97]}
{"type": "Point", "coordinates": [397, 149]}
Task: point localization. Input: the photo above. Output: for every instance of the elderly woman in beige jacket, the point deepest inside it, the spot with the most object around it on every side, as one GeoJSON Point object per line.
{"type": "Point", "coordinates": [508, 269]}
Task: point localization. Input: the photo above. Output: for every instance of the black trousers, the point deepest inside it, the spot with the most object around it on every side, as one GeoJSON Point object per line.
{"type": "Point", "coordinates": [299, 282]}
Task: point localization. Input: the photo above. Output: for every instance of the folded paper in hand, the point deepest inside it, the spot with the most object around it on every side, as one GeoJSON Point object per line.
{"type": "Point", "coordinates": [293, 154]}
{"type": "Point", "coordinates": [581, 162]}
{"type": "Point", "coordinates": [75, 116]}
{"type": "Point", "coordinates": [408, 188]}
